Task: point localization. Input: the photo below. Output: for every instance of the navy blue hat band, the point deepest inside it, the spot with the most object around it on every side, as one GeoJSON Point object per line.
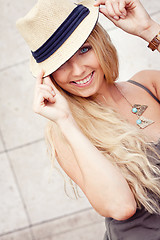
{"type": "Point", "coordinates": [61, 34]}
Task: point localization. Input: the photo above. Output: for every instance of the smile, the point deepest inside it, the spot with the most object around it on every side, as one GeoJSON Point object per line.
{"type": "Point", "coordinates": [84, 82]}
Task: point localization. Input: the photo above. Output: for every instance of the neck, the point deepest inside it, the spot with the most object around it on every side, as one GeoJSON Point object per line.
{"type": "Point", "coordinates": [108, 95]}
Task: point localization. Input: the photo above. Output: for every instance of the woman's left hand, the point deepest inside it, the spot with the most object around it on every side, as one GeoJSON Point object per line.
{"type": "Point", "coordinates": [129, 15]}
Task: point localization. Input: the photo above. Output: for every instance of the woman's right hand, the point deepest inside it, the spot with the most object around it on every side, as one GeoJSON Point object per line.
{"type": "Point", "coordinates": [49, 102]}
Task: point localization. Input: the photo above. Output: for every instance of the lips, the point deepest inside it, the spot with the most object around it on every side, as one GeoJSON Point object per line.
{"type": "Point", "coordinates": [84, 82]}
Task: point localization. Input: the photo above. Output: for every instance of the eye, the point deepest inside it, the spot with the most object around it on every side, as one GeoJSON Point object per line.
{"type": "Point", "coordinates": [84, 49]}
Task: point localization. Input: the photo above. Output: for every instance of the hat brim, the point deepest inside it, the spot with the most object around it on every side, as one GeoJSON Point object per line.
{"type": "Point", "coordinates": [71, 45]}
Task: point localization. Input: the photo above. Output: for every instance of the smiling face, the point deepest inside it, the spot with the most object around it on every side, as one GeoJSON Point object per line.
{"type": "Point", "coordinates": [82, 74]}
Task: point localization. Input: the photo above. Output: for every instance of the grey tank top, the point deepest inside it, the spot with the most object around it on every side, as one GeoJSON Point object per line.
{"type": "Point", "coordinates": [142, 225]}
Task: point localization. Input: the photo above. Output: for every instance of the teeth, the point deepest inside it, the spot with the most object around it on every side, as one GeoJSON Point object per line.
{"type": "Point", "coordinates": [85, 80]}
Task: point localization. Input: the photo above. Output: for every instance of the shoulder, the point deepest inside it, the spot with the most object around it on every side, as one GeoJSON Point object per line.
{"type": "Point", "coordinates": [150, 79]}
{"type": "Point", "coordinates": [147, 76]}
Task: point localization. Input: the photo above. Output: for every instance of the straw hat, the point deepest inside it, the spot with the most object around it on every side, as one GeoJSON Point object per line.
{"type": "Point", "coordinates": [55, 30]}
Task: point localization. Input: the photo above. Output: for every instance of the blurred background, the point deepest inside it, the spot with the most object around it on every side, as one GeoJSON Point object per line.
{"type": "Point", "coordinates": [33, 203]}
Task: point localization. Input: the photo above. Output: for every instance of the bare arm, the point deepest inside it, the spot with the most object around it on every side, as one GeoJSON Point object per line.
{"type": "Point", "coordinates": [101, 182]}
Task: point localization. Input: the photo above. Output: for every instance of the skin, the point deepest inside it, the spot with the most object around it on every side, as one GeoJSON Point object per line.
{"type": "Point", "coordinates": [131, 17]}
{"type": "Point", "coordinates": [85, 164]}
{"type": "Point", "coordinates": [83, 65]}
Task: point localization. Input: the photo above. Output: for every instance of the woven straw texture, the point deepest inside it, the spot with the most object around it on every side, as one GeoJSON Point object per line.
{"type": "Point", "coordinates": [43, 20]}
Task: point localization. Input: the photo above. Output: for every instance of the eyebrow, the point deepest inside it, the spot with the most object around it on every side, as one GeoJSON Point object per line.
{"type": "Point", "coordinates": [85, 44]}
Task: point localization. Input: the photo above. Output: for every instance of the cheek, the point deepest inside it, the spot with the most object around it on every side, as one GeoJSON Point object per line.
{"type": "Point", "coordinates": [60, 76]}
{"type": "Point", "coordinates": [93, 60]}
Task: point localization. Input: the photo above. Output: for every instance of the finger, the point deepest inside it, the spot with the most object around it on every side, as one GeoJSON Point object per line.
{"type": "Point", "coordinates": [42, 100]}
{"type": "Point", "coordinates": [115, 6]}
{"type": "Point", "coordinates": [110, 10]}
{"type": "Point", "coordinates": [122, 9]}
{"type": "Point", "coordinates": [40, 78]}
{"type": "Point", "coordinates": [47, 88]}
{"type": "Point", "coordinates": [106, 14]}
{"type": "Point", "coordinates": [45, 96]}
{"type": "Point", "coordinates": [104, 11]}
{"type": "Point", "coordinates": [39, 81]}
{"type": "Point", "coordinates": [117, 10]}
{"type": "Point", "coordinates": [49, 82]}
{"type": "Point", "coordinates": [99, 2]}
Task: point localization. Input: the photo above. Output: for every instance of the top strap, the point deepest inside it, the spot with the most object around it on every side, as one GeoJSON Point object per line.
{"type": "Point", "coordinates": [145, 88]}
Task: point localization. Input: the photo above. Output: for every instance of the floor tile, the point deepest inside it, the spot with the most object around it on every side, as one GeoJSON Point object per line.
{"type": "Point", "coordinates": [91, 232]}
{"type": "Point", "coordinates": [41, 187]}
{"type": "Point", "coordinates": [1, 145]}
{"type": "Point", "coordinates": [67, 224]}
{"type": "Point", "coordinates": [13, 48]}
{"type": "Point", "coordinates": [20, 235]}
{"type": "Point", "coordinates": [19, 124]}
{"type": "Point", "coordinates": [12, 214]}
{"type": "Point", "coordinates": [151, 6]}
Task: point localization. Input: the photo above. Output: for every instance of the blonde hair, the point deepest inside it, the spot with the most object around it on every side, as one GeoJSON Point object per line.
{"type": "Point", "coordinates": [120, 142]}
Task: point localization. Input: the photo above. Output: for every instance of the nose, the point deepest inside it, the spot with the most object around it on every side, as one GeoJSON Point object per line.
{"type": "Point", "coordinates": [77, 66]}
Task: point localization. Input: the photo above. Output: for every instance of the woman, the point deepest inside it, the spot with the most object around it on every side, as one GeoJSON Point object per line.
{"type": "Point", "coordinates": [105, 134]}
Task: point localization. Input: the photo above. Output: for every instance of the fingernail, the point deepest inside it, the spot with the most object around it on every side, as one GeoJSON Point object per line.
{"type": "Point", "coordinates": [116, 17]}
{"type": "Point", "coordinates": [122, 16]}
{"type": "Point", "coordinates": [53, 93]}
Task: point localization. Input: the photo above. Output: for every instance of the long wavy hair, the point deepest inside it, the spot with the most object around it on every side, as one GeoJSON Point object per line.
{"type": "Point", "coordinates": [120, 142]}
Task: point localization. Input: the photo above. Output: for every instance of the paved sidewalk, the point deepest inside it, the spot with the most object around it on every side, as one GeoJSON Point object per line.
{"type": "Point", "coordinates": [33, 204]}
